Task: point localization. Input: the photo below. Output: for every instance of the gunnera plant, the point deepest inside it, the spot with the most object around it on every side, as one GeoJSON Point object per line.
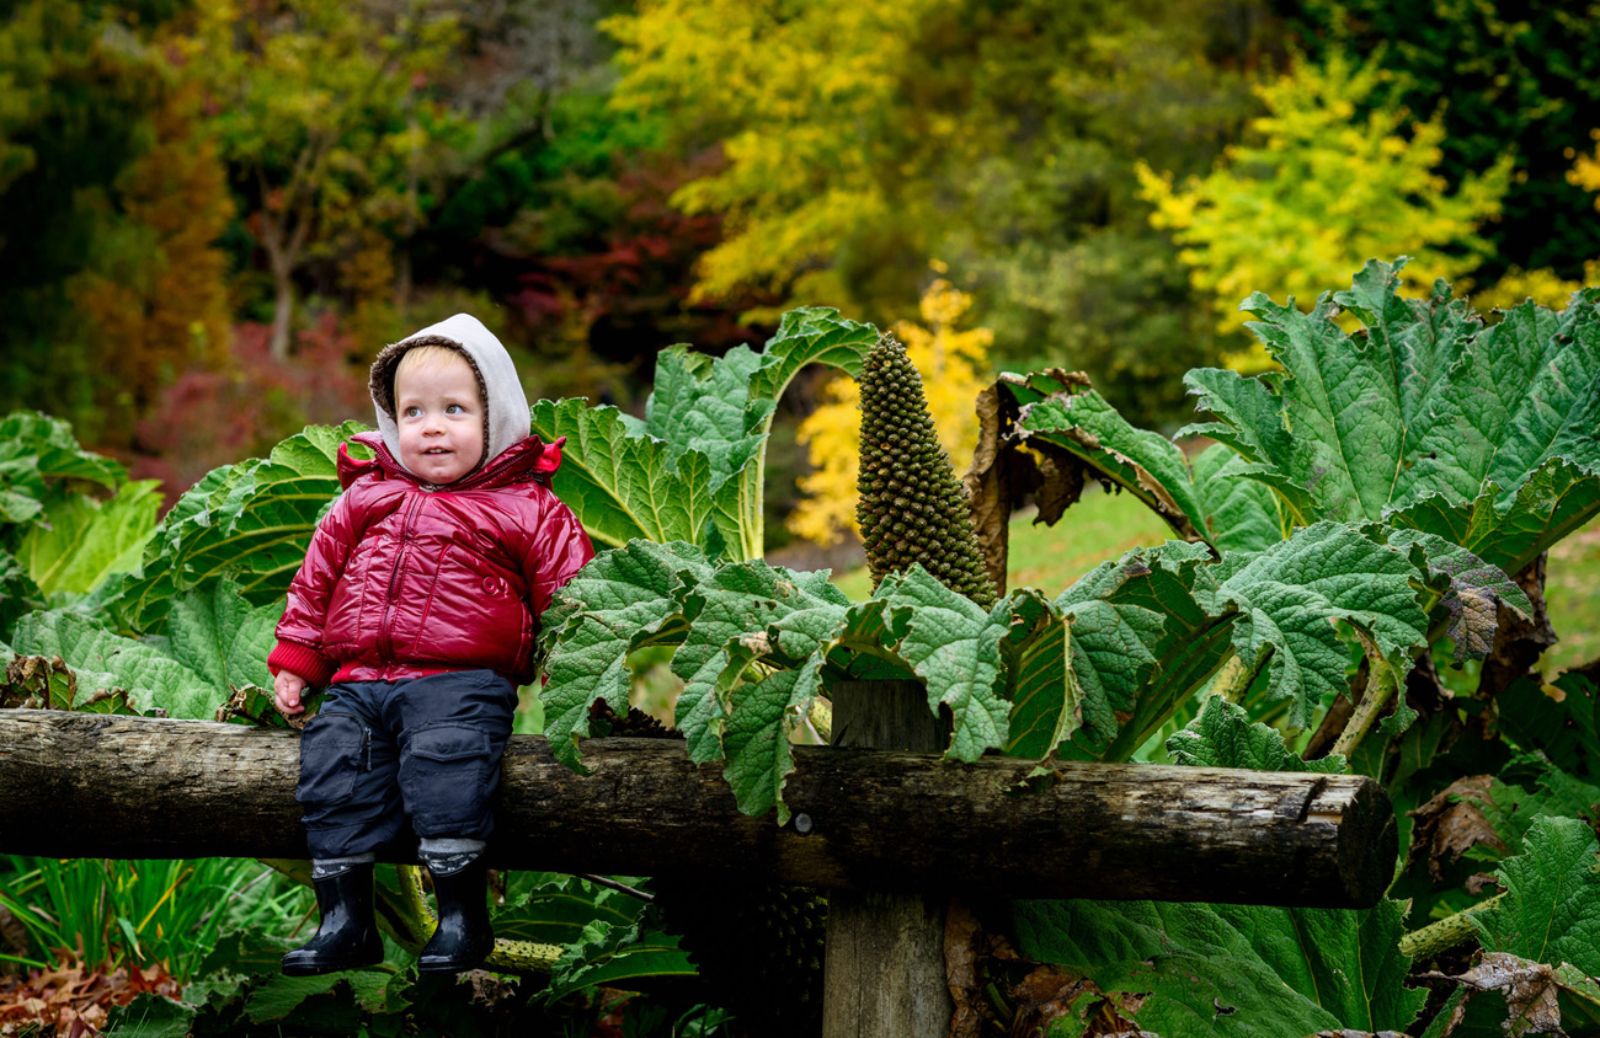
{"type": "Point", "coordinates": [911, 506]}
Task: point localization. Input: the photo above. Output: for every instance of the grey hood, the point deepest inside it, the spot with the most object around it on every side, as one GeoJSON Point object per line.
{"type": "Point", "coordinates": [505, 420]}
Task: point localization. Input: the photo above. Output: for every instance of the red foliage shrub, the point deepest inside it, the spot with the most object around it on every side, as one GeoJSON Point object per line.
{"type": "Point", "coordinates": [211, 418]}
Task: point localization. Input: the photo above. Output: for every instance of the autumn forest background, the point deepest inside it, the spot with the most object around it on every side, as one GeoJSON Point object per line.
{"type": "Point", "coordinates": [212, 215]}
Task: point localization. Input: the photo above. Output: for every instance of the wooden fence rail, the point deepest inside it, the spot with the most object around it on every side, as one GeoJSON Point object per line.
{"type": "Point", "coordinates": [74, 784]}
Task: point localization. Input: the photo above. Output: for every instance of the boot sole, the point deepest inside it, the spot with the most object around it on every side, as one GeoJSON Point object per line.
{"type": "Point", "coordinates": [313, 969]}
{"type": "Point", "coordinates": [453, 966]}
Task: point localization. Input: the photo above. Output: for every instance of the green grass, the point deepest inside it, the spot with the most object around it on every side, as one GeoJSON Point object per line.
{"type": "Point", "coordinates": [1101, 526]}
{"type": "Point", "coordinates": [1572, 593]}
{"type": "Point", "coordinates": [117, 913]}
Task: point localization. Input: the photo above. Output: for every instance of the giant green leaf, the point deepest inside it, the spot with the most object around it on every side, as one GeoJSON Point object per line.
{"type": "Point", "coordinates": [953, 645]}
{"type": "Point", "coordinates": [221, 637]}
{"type": "Point", "coordinates": [250, 521]}
{"type": "Point", "coordinates": [1046, 699]}
{"type": "Point", "coordinates": [41, 461]}
{"type": "Point", "coordinates": [1551, 909]}
{"type": "Point", "coordinates": [621, 601]}
{"type": "Point", "coordinates": [1141, 644]}
{"type": "Point", "coordinates": [624, 484]}
{"type": "Point", "coordinates": [692, 470]}
{"type": "Point", "coordinates": [1222, 736]}
{"type": "Point", "coordinates": [1430, 414]}
{"type": "Point", "coordinates": [1065, 412]}
{"type": "Point", "coordinates": [1253, 970]}
{"type": "Point", "coordinates": [1485, 436]}
{"type": "Point", "coordinates": [728, 617]}
{"type": "Point", "coordinates": [104, 661]}
{"type": "Point", "coordinates": [79, 542]}
{"type": "Point", "coordinates": [1240, 514]}
{"type": "Point", "coordinates": [1287, 595]}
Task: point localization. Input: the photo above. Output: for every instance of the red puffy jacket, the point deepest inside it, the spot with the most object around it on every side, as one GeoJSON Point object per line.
{"type": "Point", "coordinates": [401, 580]}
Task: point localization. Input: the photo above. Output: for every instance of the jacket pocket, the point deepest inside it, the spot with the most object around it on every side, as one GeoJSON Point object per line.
{"type": "Point", "coordinates": [331, 752]}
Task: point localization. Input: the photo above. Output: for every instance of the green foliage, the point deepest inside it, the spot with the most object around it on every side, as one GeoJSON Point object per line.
{"type": "Point", "coordinates": [931, 137]}
{"type": "Point", "coordinates": [102, 661]}
{"type": "Point", "coordinates": [250, 521]}
{"type": "Point", "coordinates": [1328, 191]}
{"type": "Point", "coordinates": [1520, 84]}
{"type": "Point", "coordinates": [1268, 971]}
{"type": "Point", "coordinates": [1104, 666]}
{"type": "Point", "coordinates": [693, 469]}
{"type": "Point", "coordinates": [58, 538]}
{"type": "Point", "coordinates": [88, 541]}
{"type": "Point", "coordinates": [1470, 447]}
{"type": "Point", "coordinates": [1264, 969]}
{"type": "Point", "coordinates": [1223, 736]}
{"type": "Point", "coordinates": [1551, 911]}
{"type": "Point", "coordinates": [140, 912]}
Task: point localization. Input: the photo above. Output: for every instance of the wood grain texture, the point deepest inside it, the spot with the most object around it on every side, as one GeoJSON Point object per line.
{"type": "Point", "coordinates": [883, 972]}
{"type": "Point", "coordinates": [126, 787]}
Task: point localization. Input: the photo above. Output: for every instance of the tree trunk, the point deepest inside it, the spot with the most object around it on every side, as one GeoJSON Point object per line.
{"type": "Point", "coordinates": [883, 973]}
{"type": "Point", "coordinates": [282, 316]}
{"type": "Point", "coordinates": [96, 785]}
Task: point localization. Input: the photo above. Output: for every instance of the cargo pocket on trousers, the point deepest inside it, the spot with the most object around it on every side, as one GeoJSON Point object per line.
{"type": "Point", "coordinates": [330, 756]}
{"type": "Point", "coordinates": [442, 775]}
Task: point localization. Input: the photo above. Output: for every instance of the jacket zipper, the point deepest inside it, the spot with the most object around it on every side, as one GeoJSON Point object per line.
{"type": "Point", "coordinates": [387, 629]}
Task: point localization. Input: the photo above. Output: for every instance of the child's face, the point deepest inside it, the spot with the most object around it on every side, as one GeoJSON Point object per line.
{"type": "Point", "coordinates": [441, 420]}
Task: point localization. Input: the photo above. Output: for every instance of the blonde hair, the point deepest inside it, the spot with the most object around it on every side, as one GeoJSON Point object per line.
{"type": "Point", "coordinates": [426, 360]}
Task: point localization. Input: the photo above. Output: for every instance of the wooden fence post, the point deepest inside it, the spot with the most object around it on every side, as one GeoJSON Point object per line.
{"type": "Point", "coordinates": [884, 972]}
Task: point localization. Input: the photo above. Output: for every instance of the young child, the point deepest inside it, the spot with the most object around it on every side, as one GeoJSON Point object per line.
{"type": "Point", "coordinates": [417, 606]}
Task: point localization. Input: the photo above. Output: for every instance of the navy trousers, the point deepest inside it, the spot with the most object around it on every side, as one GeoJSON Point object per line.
{"type": "Point", "coordinates": [384, 759]}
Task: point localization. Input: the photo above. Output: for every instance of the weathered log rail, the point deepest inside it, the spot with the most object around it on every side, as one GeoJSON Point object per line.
{"type": "Point", "coordinates": [92, 785]}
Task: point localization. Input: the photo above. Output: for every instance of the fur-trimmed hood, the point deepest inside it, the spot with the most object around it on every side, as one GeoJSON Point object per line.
{"type": "Point", "coordinates": [505, 421]}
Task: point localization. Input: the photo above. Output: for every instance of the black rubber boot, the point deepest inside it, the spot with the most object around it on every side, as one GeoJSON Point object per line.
{"type": "Point", "coordinates": [464, 937]}
{"type": "Point", "coordinates": [348, 935]}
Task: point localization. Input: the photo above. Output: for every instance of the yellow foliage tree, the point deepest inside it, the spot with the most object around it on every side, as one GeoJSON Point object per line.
{"type": "Point", "coordinates": [954, 365]}
{"type": "Point", "coordinates": [1320, 192]}
{"type": "Point", "coordinates": [800, 97]}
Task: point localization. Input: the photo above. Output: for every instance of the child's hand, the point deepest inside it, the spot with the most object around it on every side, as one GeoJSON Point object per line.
{"type": "Point", "coordinates": [286, 689]}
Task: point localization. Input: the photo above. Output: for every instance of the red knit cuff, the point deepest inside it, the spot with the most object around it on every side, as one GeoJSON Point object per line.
{"type": "Point", "coordinates": [302, 660]}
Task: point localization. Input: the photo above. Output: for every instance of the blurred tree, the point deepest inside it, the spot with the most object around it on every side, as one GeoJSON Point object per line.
{"type": "Point", "coordinates": [323, 112]}
{"type": "Point", "coordinates": [954, 366]}
{"type": "Point", "coordinates": [861, 139]}
{"type": "Point", "coordinates": [1319, 190]}
{"type": "Point", "coordinates": [1507, 79]}
{"type": "Point", "coordinates": [155, 295]}
{"type": "Point", "coordinates": [79, 84]}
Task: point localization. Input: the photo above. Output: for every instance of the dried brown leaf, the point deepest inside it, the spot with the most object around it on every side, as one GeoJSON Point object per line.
{"type": "Point", "coordinates": [1452, 823]}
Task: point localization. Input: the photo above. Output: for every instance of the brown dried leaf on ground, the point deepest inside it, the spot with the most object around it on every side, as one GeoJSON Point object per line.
{"type": "Point", "coordinates": [1452, 823]}
{"type": "Point", "coordinates": [74, 1000]}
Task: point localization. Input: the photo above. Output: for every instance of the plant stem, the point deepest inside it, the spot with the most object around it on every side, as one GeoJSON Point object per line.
{"type": "Point", "coordinates": [1381, 684]}
{"type": "Point", "coordinates": [1446, 933]}
{"type": "Point", "coordinates": [1233, 680]}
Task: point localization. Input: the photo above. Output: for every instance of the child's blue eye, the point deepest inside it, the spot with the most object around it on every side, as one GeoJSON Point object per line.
{"type": "Point", "coordinates": [412, 412]}
{"type": "Point", "coordinates": [454, 409]}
